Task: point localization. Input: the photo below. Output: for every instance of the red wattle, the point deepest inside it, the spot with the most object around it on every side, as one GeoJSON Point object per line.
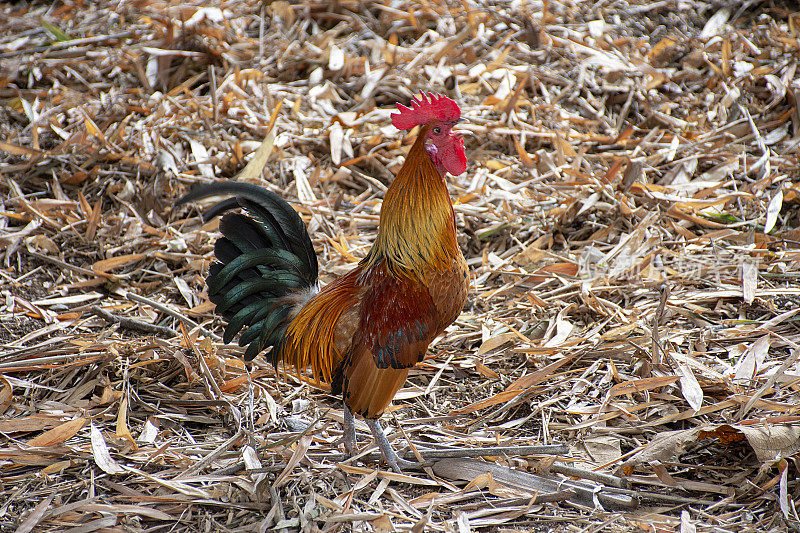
{"type": "Point", "coordinates": [453, 158]}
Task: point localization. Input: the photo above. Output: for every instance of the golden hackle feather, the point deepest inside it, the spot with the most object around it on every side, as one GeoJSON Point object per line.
{"type": "Point", "coordinates": [417, 231]}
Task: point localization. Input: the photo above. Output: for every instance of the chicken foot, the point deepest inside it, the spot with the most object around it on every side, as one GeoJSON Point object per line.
{"type": "Point", "coordinates": [388, 453]}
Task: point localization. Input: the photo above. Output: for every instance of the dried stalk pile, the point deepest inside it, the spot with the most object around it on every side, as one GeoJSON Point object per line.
{"type": "Point", "coordinates": [629, 217]}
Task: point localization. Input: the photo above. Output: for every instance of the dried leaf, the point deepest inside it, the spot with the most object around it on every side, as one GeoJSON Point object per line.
{"type": "Point", "coordinates": [260, 158]}
{"type": "Point", "coordinates": [752, 359]}
{"type": "Point", "coordinates": [201, 157]}
{"type": "Point", "coordinates": [749, 281]}
{"type": "Point", "coordinates": [36, 515]}
{"type": "Point", "coordinates": [92, 129]}
{"type": "Point", "coordinates": [558, 331]}
{"type": "Point", "coordinates": [101, 455]}
{"type": "Point", "coordinates": [715, 23]}
{"type": "Point", "coordinates": [122, 423]}
{"type": "Point", "coordinates": [18, 150]}
{"type": "Point", "coordinates": [485, 371]}
{"type": "Point", "coordinates": [690, 388]}
{"type": "Point", "coordinates": [115, 262]}
{"type": "Point", "coordinates": [336, 135]}
{"type": "Point", "coordinates": [663, 447]}
{"type": "Point", "coordinates": [783, 489]}
{"type": "Point", "coordinates": [773, 210]}
{"type": "Point", "coordinates": [524, 158]}
{"type": "Point", "coordinates": [336, 59]}
{"type": "Point", "coordinates": [59, 434]}
{"type": "Point", "coordinates": [495, 342]}
{"type": "Point", "coordinates": [299, 453]}
{"type": "Point", "coordinates": [687, 526]}
{"type": "Point", "coordinates": [27, 424]}
{"type": "Point", "coordinates": [602, 449]}
{"type": "Point", "coordinates": [641, 385]}
{"type": "Point", "coordinates": [6, 393]}
{"type": "Point", "coordinates": [772, 441]}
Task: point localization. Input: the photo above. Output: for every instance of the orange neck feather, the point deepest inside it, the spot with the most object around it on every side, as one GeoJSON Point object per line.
{"type": "Point", "coordinates": [417, 227]}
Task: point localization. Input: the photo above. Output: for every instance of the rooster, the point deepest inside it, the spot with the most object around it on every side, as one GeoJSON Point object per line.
{"type": "Point", "coordinates": [362, 332]}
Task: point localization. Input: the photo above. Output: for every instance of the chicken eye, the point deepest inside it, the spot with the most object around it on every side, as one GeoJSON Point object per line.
{"type": "Point", "coordinates": [437, 130]}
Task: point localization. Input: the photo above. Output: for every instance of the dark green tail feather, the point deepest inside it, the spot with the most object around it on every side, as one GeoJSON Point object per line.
{"type": "Point", "coordinates": [262, 259]}
{"type": "Point", "coordinates": [265, 259]}
{"type": "Point", "coordinates": [268, 208]}
{"type": "Point", "coordinates": [272, 285]}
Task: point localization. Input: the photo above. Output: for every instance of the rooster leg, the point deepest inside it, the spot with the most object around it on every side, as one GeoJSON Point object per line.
{"type": "Point", "coordinates": [386, 449]}
{"type": "Point", "coordinates": [349, 431]}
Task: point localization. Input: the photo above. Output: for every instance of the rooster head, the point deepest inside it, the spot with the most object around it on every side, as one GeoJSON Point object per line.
{"type": "Point", "coordinates": [440, 113]}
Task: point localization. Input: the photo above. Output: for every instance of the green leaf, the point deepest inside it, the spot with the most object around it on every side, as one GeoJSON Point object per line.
{"type": "Point", "coordinates": [57, 33]}
{"type": "Point", "coordinates": [724, 218]}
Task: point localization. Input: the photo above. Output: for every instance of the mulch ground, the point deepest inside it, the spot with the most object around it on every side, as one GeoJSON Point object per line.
{"type": "Point", "coordinates": [629, 216]}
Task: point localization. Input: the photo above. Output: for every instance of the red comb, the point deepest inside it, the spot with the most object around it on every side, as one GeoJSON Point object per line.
{"type": "Point", "coordinates": [425, 108]}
